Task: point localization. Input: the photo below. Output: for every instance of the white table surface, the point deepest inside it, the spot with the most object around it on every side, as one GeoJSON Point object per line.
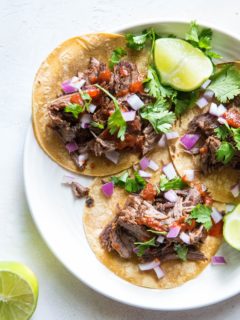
{"type": "Point", "coordinates": [29, 30]}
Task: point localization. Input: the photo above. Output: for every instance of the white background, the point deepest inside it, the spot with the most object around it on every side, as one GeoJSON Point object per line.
{"type": "Point", "coordinates": [29, 30]}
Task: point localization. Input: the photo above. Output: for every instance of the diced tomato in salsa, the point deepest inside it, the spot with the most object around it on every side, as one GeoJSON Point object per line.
{"type": "Point", "coordinates": [149, 192]}
{"type": "Point", "coordinates": [233, 117]}
{"type": "Point", "coordinates": [217, 229]}
{"type": "Point", "coordinates": [136, 87]}
{"type": "Point", "coordinates": [104, 76]}
{"type": "Point", "coordinates": [93, 78]}
{"type": "Point", "coordinates": [93, 92]}
{"type": "Point", "coordinates": [76, 98]}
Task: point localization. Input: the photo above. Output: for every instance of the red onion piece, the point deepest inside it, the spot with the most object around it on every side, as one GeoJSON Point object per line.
{"type": "Point", "coordinates": [221, 110]}
{"type": "Point", "coordinates": [189, 174]}
{"type": "Point", "coordinates": [107, 189]}
{"type": "Point", "coordinates": [82, 159]}
{"type": "Point", "coordinates": [160, 239]}
{"type": "Point", "coordinates": [72, 85]}
{"type": "Point", "coordinates": [68, 179]}
{"type": "Point", "coordinates": [144, 162]}
{"type": "Point", "coordinates": [92, 108]}
{"type": "Point", "coordinates": [173, 232]}
{"type": "Point", "coordinates": [206, 84]}
{"type": "Point", "coordinates": [85, 120]}
{"type": "Point", "coordinates": [113, 156]}
{"type": "Point", "coordinates": [159, 272]}
{"type": "Point", "coordinates": [71, 146]}
{"type": "Point", "coordinates": [185, 237]}
{"type": "Point", "coordinates": [172, 135]}
{"type": "Point", "coordinates": [153, 165]}
{"type": "Point", "coordinates": [218, 260]}
{"type": "Point", "coordinates": [170, 195]}
{"type": "Point", "coordinates": [144, 174]}
{"type": "Point", "coordinates": [189, 140]}
{"type": "Point", "coordinates": [169, 171]}
{"type": "Point", "coordinates": [163, 141]}
{"type": "Point", "coordinates": [222, 120]}
{"type": "Point", "coordinates": [235, 190]}
{"type": "Point", "coordinates": [208, 94]}
{"type": "Point", "coordinates": [229, 207]}
{"type": "Point", "coordinates": [129, 116]}
{"type": "Point", "coordinates": [213, 109]}
{"type": "Point", "coordinates": [149, 265]}
{"type": "Point", "coordinates": [135, 102]}
{"type": "Point", "coordinates": [202, 102]}
{"type": "Point", "coordinates": [216, 215]}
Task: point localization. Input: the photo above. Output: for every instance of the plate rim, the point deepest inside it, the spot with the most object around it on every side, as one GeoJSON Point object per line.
{"type": "Point", "coordinates": [122, 29]}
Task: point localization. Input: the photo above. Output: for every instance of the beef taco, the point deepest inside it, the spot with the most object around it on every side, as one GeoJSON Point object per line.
{"type": "Point", "coordinates": [158, 234]}
{"type": "Point", "coordinates": [86, 102]}
{"type": "Point", "coordinates": [209, 136]}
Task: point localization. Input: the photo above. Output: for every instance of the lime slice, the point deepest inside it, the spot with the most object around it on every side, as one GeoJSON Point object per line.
{"type": "Point", "coordinates": [181, 65]}
{"type": "Point", "coordinates": [231, 228]}
{"type": "Point", "coordinates": [18, 291]}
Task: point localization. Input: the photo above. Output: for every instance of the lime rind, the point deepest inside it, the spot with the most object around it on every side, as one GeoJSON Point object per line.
{"type": "Point", "coordinates": [231, 228]}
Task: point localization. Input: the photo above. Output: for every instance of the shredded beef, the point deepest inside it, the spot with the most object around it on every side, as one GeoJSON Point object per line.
{"type": "Point", "coordinates": [133, 222]}
{"type": "Point", "coordinates": [79, 191]}
{"type": "Point", "coordinates": [209, 161]}
{"type": "Point", "coordinates": [205, 123]}
{"type": "Point", "coordinates": [151, 138]}
{"type": "Point", "coordinates": [125, 73]}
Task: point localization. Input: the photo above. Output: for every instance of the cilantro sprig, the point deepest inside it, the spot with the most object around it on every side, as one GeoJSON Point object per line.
{"type": "Point", "coordinates": [131, 184]}
{"type": "Point", "coordinates": [181, 251]}
{"type": "Point", "coordinates": [202, 214]}
{"type": "Point", "coordinates": [75, 109]}
{"type": "Point", "coordinates": [175, 184]}
{"type": "Point", "coordinates": [116, 123]}
{"type": "Point", "coordinates": [143, 246]}
{"type": "Point", "coordinates": [225, 152]}
{"type": "Point", "coordinates": [116, 56]}
{"type": "Point", "coordinates": [138, 42]}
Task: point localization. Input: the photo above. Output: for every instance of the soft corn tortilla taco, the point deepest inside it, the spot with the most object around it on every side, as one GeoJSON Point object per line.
{"type": "Point", "coordinates": [111, 229]}
{"type": "Point", "coordinates": [215, 157]}
{"type": "Point", "coordinates": [64, 135]}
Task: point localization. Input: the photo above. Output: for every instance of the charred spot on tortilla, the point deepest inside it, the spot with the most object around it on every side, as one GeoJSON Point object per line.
{"type": "Point", "coordinates": [89, 202]}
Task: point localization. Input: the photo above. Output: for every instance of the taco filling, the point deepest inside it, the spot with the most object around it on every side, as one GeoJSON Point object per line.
{"type": "Point", "coordinates": [217, 137]}
{"type": "Point", "coordinates": [102, 117]}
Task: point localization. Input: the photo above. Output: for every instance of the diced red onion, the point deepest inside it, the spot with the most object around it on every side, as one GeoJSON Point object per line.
{"type": "Point", "coordinates": [135, 102]}
{"type": "Point", "coordinates": [189, 140]}
{"type": "Point", "coordinates": [163, 141]}
{"type": "Point", "coordinates": [185, 237]}
{"type": "Point", "coordinates": [170, 195]}
{"type": "Point", "coordinates": [107, 189]}
{"type": "Point", "coordinates": [77, 83]}
{"type": "Point", "coordinates": [213, 109]}
{"type": "Point", "coordinates": [172, 135]}
{"type": "Point", "coordinates": [144, 174]}
{"type": "Point", "coordinates": [160, 239]}
{"type": "Point", "coordinates": [222, 120]}
{"type": "Point", "coordinates": [216, 215]}
{"type": "Point", "coordinates": [208, 94]}
{"type": "Point", "coordinates": [72, 85]}
{"type": "Point", "coordinates": [206, 84]}
{"type": "Point", "coordinates": [202, 102]}
{"type": "Point", "coordinates": [159, 272]}
{"type": "Point", "coordinates": [129, 116]}
{"type": "Point", "coordinates": [112, 156]}
{"type": "Point", "coordinates": [71, 146]}
{"type": "Point", "coordinates": [189, 174]}
{"type": "Point", "coordinates": [85, 120]}
{"type": "Point", "coordinates": [153, 165]}
{"type": "Point", "coordinates": [221, 110]}
{"type": "Point", "coordinates": [68, 179]}
{"type": "Point", "coordinates": [169, 171]}
{"type": "Point", "coordinates": [82, 159]}
{"type": "Point", "coordinates": [144, 162]}
{"type": "Point", "coordinates": [194, 150]}
{"type": "Point", "coordinates": [92, 108]}
{"type": "Point", "coordinates": [149, 265]}
{"type": "Point", "coordinates": [173, 232]}
{"type": "Point", "coordinates": [235, 190]}
{"type": "Point", "coordinates": [229, 207]}
{"type": "Point", "coordinates": [218, 260]}
{"type": "Point", "coordinates": [204, 188]}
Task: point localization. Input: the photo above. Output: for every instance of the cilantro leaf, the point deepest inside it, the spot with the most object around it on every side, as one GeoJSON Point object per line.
{"type": "Point", "coordinates": [185, 101]}
{"type": "Point", "coordinates": [97, 125]}
{"type": "Point", "coordinates": [175, 184]}
{"type": "Point", "coordinates": [160, 118]}
{"type": "Point", "coordinates": [131, 185]}
{"type": "Point", "coordinates": [236, 137]}
{"type": "Point", "coordinates": [116, 123]}
{"type": "Point", "coordinates": [225, 152]}
{"type": "Point", "coordinates": [116, 56]}
{"type": "Point", "coordinates": [222, 132]}
{"type": "Point", "coordinates": [226, 84]}
{"type": "Point", "coordinates": [120, 180]}
{"type": "Point", "coordinates": [74, 108]}
{"type": "Point", "coordinates": [162, 233]}
{"type": "Point", "coordinates": [86, 99]}
{"type": "Point", "coordinates": [138, 42]}
{"type": "Point", "coordinates": [192, 34]}
{"type": "Point", "coordinates": [143, 246]}
{"type": "Point", "coordinates": [202, 214]}
{"type": "Point", "coordinates": [181, 251]}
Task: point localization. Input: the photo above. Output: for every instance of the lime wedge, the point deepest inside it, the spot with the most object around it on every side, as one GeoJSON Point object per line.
{"type": "Point", "coordinates": [18, 291]}
{"type": "Point", "coordinates": [231, 228]}
{"type": "Point", "coordinates": [181, 65]}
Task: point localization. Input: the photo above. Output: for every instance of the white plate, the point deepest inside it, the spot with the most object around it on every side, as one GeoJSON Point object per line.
{"type": "Point", "coordinates": [59, 219]}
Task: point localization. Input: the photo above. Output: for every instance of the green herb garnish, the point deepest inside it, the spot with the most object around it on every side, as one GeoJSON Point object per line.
{"type": "Point", "coordinates": [116, 56]}
{"type": "Point", "coordinates": [131, 185]}
{"type": "Point", "coordinates": [181, 251]}
{"type": "Point", "coordinates": [175, 184]}
{"type": "Point", "coordinates": [225, 152]}
{"type": "Point", "coordinates": [143, 246]}
{"type": "Point", "coordinates": [75, 109]}
{"type": "Point", "coordinates": [202, 214]}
